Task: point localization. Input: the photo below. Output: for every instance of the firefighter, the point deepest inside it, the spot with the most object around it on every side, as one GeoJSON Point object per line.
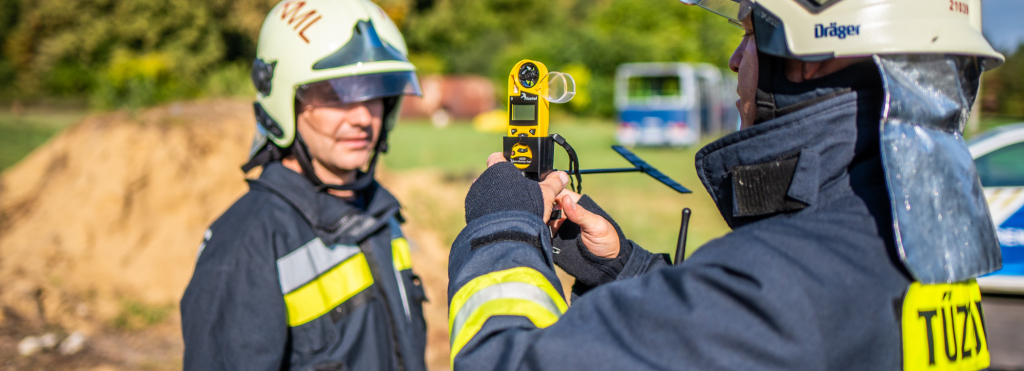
{"type": "Point", "coordinates": [309, 270]}
{"type": "Point", "coordinates": [858, 219]}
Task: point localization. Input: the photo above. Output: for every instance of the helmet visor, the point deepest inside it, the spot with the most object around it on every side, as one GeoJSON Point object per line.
{"type": "Point", "coordinates": [733, 10]}
{"type": "Point", "coordinates": [360, 88]}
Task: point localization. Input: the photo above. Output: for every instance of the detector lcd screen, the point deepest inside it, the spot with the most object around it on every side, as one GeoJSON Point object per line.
{"type": "Point", "coordinates": [524, 112]}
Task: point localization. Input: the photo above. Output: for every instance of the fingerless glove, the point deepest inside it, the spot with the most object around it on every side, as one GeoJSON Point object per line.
{"type": "Point", "coordinates": [502, 187]}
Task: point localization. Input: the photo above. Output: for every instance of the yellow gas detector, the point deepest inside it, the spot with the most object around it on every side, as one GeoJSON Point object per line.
{"type": "Point", "coordinates": [528, 146]}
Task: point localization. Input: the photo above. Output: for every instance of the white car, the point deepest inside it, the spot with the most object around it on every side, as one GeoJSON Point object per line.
{"type": "Point", "coordinates": [999, 156]}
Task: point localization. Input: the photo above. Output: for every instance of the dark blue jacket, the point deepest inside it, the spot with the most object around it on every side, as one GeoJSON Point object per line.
{"type": "Point", "coordinates": [290, 278]}
{"type": "Point", "coordinates": [807, 280]}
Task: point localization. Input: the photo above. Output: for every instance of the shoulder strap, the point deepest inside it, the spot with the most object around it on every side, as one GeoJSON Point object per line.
{"type": "Point", "coordinates": [256, 184]}
{"type": "Point", "coordinates": [352, 229]}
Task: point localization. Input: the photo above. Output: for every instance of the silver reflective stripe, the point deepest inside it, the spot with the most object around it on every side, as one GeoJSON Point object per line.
{"type": "Point", "coordinates": [396, 232]}
{"type": "Point", "coordinates": [326, 258]}
{"type": "Point", "coordinates": [401, 291]}
{"type": "Point", "coordinates": [310, 261]}
{"type": "Point", "coordinates": [507, 290]}
{"type": "Point", "coordinates": [206, 240]}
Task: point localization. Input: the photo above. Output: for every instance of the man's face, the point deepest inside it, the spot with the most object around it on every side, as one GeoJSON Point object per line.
{"type": "Point", "coordinates": [744, 63]}
{"type": "Point", "coordinates": [342, 137]}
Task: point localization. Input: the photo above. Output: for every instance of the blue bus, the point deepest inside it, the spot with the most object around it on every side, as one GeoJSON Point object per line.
{"type": "Point", "coordinates": [673, 104]}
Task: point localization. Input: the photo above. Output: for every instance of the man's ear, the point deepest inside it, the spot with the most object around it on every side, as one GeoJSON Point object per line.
{"type": "Point", "coordinates": [799, 71]}
{"type": "Point", "coordinates": [814, 70]}
{"type": "Point", "coordinates": [810, 70]}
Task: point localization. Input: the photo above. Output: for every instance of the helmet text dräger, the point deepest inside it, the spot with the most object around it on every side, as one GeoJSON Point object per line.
{"type": "Point", "coordinates": [832, 30]}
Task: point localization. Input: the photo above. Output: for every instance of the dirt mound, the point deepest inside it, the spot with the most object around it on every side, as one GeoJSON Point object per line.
{"type": "Point", "coordinates": [99, 230]}
{"type": "Point", "coordinates": [114, 208]}
{"type": "Point", "coordinates": [99, 227]}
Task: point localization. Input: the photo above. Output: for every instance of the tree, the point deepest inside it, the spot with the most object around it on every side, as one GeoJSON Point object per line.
{"type": "Point", "coordinates": [488, 37]}
{"type": "Point", "coordinates": [1003, 87]}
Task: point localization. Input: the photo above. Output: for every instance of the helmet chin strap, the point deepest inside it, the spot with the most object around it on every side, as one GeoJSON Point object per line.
{"type": "Point", "coordinates": [767, 68]}
{"type": "Point", "coordinates": [363, 180]}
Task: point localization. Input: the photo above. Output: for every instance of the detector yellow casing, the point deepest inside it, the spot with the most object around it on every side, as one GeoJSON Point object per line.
{"type": "Point", "coordinates": [527, 106]}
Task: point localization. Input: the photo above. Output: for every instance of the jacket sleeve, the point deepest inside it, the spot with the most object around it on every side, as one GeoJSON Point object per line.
{"type": "Point", "coordinates": [640, 262]}
{"type": "Point", "coordinates": [507, 312]}
{"type": "Point", "coordinates": [232, 314]}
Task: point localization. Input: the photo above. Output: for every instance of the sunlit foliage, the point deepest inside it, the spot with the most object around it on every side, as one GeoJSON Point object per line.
{"type": "Point", "coordinates": [141, 52]}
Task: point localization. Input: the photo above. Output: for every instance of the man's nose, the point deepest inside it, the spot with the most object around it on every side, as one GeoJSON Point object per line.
{"type": "Point", "coordinates": [737, 56]}
{"type": "Point", "coordinates": [359, 114]}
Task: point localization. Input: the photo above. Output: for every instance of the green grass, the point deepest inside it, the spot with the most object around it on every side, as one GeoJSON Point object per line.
{"type": "Point", "coordinates": [647, 211]}
{"type": "Point", "coordinates": [21, 133]}
{"type": "Point", "coordinates": [457, 148]}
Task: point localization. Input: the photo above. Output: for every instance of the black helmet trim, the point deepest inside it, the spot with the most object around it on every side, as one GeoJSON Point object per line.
{"type": "Point", "coordinates": [364, 46]}
{"type": "Point", "coordinates": [817, 6]}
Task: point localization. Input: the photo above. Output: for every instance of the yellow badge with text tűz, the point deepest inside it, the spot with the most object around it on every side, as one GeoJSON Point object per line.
{"type": "Point", "coordinates": [943, 328]}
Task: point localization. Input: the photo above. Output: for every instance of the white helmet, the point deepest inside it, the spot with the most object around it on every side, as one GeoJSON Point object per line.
{"type": "Point", "coordinates": [930, 55]}
{"type": "Point", "coordinates": [815, 30]}
{"type": "Point", "coordinates": [348, 46]}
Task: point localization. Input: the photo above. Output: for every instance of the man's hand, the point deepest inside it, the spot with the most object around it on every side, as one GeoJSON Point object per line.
{"type": "Point", "coordinates": [591, 247]}
{"type": "Point", "coordinates": [494, 158]}
{"type": "Point", "coordinates": [550, 187]}
{"type": "Point", "coordinates": [597, 234]}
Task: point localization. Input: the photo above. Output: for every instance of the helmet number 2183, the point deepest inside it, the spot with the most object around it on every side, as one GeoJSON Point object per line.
{"type": "Point", "coordinates": [957, 6]}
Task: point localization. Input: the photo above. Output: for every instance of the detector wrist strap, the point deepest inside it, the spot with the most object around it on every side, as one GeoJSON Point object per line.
{"type": "Point", "coordinates": [574, 164]}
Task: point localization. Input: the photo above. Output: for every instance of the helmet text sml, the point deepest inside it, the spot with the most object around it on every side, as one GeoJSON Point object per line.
{"type": "Point", "coordinates": [291, 11]}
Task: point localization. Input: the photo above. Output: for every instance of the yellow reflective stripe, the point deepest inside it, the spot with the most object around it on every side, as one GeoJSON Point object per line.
{"type": "Point", "coordinates": [400, 254]}
{"type": "Point", "coordinates": [328, 291]}
{"type": "Point", "coordinates": [514, 304]}
{"type": "Point", "coordinates": [518, 274]}
{"type": "Point", "coordinates": [536, 313]}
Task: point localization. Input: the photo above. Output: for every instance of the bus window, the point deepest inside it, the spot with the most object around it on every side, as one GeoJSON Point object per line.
{"type": "Point", "coordinates": [707, 124]}
{"type": "Point", "coordinates": [644, 87]}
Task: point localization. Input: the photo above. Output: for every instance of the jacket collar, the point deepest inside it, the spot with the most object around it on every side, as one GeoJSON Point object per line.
{"type": "Point", "coordinates": [322, 210]}
{"type": "Point", "coordinates": [800, 160]}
